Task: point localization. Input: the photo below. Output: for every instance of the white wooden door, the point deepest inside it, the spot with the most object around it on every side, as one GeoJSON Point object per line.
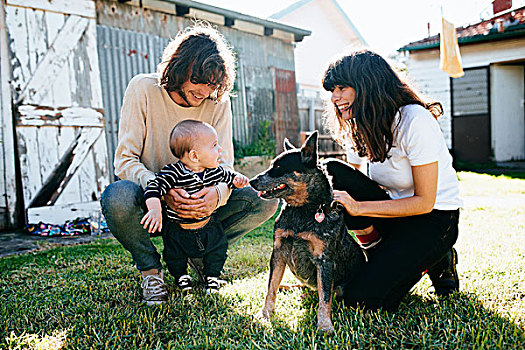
{"type": "Point", "coordinates": [58, 102]}
{"type": "Point", "coordinates": [508, 119]}
{"type": "Point", "coordinates": [8, 200]}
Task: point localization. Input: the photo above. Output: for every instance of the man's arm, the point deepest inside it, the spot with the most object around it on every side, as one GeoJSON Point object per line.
{"type": "Point", "coordinates": [131, 135]}
{"type": "Point", "coordinates": [223, 125]}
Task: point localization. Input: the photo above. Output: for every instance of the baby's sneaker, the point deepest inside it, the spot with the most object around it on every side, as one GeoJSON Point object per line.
{"type": "Point", "coordinates": [185, 283]}
{"type": "Point", "coordinates": [212, 285]}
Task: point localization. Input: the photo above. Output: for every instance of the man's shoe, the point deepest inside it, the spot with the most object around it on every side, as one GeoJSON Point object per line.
{"type": "Point", "coordinates": [444, 275]}
{"type": "Point", "coordinates": [153, 289]}
{"type": "Point", "coordinates": [185, 283]}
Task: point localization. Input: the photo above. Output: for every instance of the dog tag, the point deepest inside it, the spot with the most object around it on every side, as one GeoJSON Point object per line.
{"type": "Point", "coordinates": [319, 217]}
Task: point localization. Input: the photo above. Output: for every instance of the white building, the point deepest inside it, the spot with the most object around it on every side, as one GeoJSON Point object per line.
{"type": "Point", "coordinates": [332, 33]}
{"type": "Point", "coordinates": [484, 110]}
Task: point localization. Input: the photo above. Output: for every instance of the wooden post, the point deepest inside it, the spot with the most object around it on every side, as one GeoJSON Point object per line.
{"type": "Point", "coordinates": [311, 114]}
{"type": "Point", "coordinates": [6, 118]}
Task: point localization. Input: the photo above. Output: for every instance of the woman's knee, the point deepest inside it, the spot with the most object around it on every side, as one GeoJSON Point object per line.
{"type": "Point", "coordinates": [121, 196]}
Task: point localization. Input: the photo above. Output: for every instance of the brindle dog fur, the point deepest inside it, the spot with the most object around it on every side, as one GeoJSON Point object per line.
{"type": "Point", "coordinates": [320, 253]}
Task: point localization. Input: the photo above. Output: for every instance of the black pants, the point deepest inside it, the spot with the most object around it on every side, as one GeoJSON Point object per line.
{"type": "Point", "coordinates": [208, 242]}
{"type": "Point", "coordinates": [410, 245]}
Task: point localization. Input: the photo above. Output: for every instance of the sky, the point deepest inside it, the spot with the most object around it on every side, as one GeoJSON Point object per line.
{"type": "Point", "coordinates": [386, 25]}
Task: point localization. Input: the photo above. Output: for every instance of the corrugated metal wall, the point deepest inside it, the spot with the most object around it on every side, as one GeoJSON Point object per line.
{"type": "Point", "coordinates": [122, 55]}
{"type": "Point", "coordinates": [129, 43]}
{"type": "Point", "coordinates": [286, 126]}
{"type": "Point", "coordinates": [259, 58]}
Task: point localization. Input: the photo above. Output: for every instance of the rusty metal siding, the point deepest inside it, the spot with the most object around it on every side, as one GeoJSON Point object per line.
{"type": "Point", "coordinates": [122, 55]}
{"type": "Point", "coordinates": [258, 60]}
{"type": "Point", "coordinates": [254, 96]}
{"type": "Point", "coordinates": [287, 120]}
{"type": "Point", "coordinates": [142, 20]}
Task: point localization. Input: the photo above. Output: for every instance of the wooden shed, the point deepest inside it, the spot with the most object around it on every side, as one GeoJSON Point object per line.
{"type": "Point", "coordinates": [64, 69]}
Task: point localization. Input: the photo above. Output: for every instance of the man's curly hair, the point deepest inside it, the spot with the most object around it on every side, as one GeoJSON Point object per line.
{"type": "Point", "coordinates": [201, 55]}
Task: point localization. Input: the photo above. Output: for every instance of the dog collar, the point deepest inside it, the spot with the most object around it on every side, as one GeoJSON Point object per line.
{"type": "Point", "coordinates": [319, 214]}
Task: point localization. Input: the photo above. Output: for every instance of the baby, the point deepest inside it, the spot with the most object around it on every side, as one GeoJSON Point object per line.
{"type": "Point", "coordinates": [196, 145]}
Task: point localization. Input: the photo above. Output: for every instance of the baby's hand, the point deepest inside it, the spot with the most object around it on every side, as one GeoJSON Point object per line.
{"type": "Point", "coordinates": [153, 219]}
{"type": "Point", "coordinates": [241, 181]}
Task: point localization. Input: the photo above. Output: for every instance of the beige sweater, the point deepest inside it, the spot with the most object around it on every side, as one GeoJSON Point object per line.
{"type": "Point", "coordinates": [147, 117]}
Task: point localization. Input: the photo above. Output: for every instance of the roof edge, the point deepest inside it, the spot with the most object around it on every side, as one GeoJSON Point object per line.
{"type": "Point", "coordinates": [289, 9]}
{"type": "Point", "coordinates": [298, 32]}
{"type": "Point", "coordinates": [301, 3]}
{"type": "Point", "coordinates": [468, 40]}
{"type": "Point", "coordinates": [350, 23]}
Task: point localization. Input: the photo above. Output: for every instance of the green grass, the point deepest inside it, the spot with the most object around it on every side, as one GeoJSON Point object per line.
{"type": "Point", "coordinates": [87, 296]}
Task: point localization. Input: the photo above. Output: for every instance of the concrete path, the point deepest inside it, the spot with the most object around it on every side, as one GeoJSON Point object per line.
{"type": "Point", "coordinates": [19, 243]}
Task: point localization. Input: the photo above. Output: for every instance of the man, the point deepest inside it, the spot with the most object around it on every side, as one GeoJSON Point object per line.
{"type": "Point", "coordinates": [193, 81]}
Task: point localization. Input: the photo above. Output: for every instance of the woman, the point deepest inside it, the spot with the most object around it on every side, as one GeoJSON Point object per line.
{"type": "Point", "coordinates": [383, 122]}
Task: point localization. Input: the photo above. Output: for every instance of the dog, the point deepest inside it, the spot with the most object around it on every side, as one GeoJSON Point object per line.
{"type": "Point", "coordinates": [310, 236]}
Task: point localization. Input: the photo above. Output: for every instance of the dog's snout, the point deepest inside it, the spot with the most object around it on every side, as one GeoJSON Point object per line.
{"type": "Point", "coordinates": [255, 181]}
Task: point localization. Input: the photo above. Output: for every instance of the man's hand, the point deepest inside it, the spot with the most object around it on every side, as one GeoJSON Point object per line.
{"type": "Point", "coordinates": [196, 206]}
{"type": "Point", "coordinates": [241, 181]}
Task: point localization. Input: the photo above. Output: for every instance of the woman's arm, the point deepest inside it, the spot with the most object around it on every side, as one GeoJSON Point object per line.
{"type": "Point", "coordinates": [425, 187]}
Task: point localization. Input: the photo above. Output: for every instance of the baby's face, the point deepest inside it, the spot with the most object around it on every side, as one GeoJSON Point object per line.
{"type": "Point", "coordinates": [208, 150]}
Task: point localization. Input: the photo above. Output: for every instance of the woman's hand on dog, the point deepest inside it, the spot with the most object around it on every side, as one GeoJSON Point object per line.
{"type": "Point", "coordinates": [351, 205]}
{"type": "Point", "coordinates": [200, 204]}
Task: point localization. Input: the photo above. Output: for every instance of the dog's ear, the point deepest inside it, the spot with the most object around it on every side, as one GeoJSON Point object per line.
{"type": "Point", "coordinates": [309, 151]}
{"type": "Point", "coordinates": [287, 145]}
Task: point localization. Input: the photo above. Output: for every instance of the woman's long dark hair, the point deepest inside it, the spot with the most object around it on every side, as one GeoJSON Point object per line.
{"type": "Point", "coordinates": [200, 54]}
{"type": "Point", "coordinates": [379, 94]}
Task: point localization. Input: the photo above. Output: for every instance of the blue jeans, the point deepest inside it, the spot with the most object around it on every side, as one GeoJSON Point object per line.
{"type": "Point", "coordinates": [123, 207]}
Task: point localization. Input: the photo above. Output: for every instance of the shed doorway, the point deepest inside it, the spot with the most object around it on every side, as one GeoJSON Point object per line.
{"type": "Point", "coordinates": [470, 99]}
{"type": "Point", "coordinates": [507, 110]}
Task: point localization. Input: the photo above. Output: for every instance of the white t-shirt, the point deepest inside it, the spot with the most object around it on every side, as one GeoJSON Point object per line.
{"type": "Point", "coordinates": [417, 141]}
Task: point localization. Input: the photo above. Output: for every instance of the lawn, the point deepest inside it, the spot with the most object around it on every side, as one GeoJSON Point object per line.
{"type": "Point", "coordinates": [87, 296]}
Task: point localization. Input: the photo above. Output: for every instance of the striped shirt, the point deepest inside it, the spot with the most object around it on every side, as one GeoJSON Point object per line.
{"type": "Point", "coordinates": [176, 175]}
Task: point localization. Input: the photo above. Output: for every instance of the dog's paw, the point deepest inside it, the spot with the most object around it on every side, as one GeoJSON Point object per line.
{"type": "Point", "coordinates": [264, 315]}
{"type": "Point", "coordinates": [325, 326]}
